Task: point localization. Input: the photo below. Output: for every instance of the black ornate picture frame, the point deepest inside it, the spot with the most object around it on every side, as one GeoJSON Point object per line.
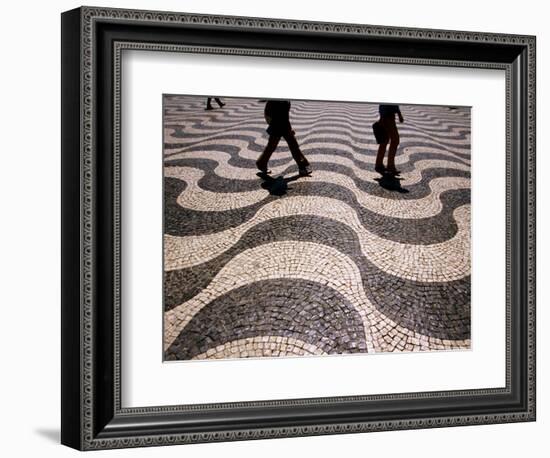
{"type": "Point", "coordinates": [92, 42]}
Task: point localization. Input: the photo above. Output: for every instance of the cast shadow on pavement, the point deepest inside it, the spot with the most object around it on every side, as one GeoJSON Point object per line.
{"type": "Point", "coordinates": [277, 186]}
{"type": "Point", "coordinates": [391, 183]}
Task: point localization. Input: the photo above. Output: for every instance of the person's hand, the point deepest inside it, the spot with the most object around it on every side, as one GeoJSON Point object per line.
{"type": "Point", "coordinates": [292, 132]}
{"type": "Point", "coordinates": [400, 118]}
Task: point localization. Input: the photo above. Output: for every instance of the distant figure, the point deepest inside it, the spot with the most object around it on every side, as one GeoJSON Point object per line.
{"type": "Point", "coordinates": [209, 103]}
{"type": "Point", "coordinates": [277, 117]}
{"type": "Point", "coordinates": [387, 122]}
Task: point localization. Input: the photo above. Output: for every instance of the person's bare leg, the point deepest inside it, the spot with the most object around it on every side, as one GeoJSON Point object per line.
{"type": "Point", "coordinates": [391, 154]}
{"type": "Point", "coordinates": [394, 143]}
{"type": "Point", "coordinates": [379, 165]}
{"type": "Point", "coordinates": [262, 161]}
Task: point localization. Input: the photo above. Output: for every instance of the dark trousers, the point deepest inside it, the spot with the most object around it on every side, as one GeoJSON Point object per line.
{"type": "Point", "coordinates": [271, 146]}
{"type": "Point", "coordinates": [209, 101]}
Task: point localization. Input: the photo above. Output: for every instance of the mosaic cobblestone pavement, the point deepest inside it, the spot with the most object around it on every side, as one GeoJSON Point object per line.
{"type": "Point", "coordinates": [342, 261]}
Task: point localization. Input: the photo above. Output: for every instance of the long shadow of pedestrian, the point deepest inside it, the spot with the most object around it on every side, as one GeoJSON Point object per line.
{"type": "Point", "coordinates": [391, 183]}
{"type": "Point", "coordinates": [276, 186]}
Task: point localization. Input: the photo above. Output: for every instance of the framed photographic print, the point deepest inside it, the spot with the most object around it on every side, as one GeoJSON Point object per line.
{"type": "Point", "coordinates": [278, 228]}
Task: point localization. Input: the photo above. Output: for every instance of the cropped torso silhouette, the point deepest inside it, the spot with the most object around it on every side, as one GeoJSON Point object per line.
{"type": "Point", "coordinates": [277, 114]}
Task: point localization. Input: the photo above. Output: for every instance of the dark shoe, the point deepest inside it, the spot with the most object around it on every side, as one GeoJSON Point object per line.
{"type": "Point", "coordinates": [221, 105]}
{"type": "Point", "coordinates": [304, 171]}
{"type": "Point", "coordinates": [263, 169]}
{"type": "Point", "coordinates": [393, 171]}
{"type": "Point", "coordinates": [209, 107]}
{"type": "Point", "coordinates": [380, 169]}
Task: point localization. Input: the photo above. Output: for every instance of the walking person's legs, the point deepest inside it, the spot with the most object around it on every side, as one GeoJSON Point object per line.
{"type": "Point", "coordinates": [379, 164]}
{"type": "Point", "coordinates": [219, 102]}
{"type": "Point", "coordinates": [262, 161]}
{"type": "Point", "coordinates": [209, 103]}
{"type": "Point", "coordinates": [388, 122]}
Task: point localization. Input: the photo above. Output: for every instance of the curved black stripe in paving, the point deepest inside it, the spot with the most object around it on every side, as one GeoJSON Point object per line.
{"type": "Point", "coordinates": [216, 183]}
{"type": "Point", "coordinates": [240, 108]}
{"type": "Point", "coordinates": [320, 131]}
{"type": "Point", "coordinates": [312, 137]}
{"type": "Point", "coordinates": [237, 161]}
{"type": "Point", "coordinates": [253, 111]}
{"type": "Point", "coordinates": [258, 148]}
{"type": "Point", "coordinates": [301, 309]}
{"type": "Point", "coordinates": [436, 121]}
{"type": "Point", "coordinates": [440, 309]}
{"type": "Point", "coordinates": [181, 221]}
{"type": "Point", "coordinates": [360, 133]}
{"type": "Point", "coordinates": [348, 146]}
{"type": "Point", "coordinates": [358, 130]}
{"type": "Point", "coordinates": [244, 163]}
{"type": "Point", "coordinates": [438, 124]}
{"type": "Point", "coordinates": [343, 151]}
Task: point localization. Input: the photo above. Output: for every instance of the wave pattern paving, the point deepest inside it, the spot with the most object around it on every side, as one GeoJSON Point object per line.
{"type": "Point", "coordinates": [343, 261]}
